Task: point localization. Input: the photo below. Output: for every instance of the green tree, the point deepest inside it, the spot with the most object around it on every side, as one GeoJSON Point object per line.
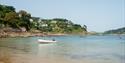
{"type": "Point", "coordinates": [25, 19]}
{"type": "Point", "coordinates": [10, 16]}
{"type": "Point", "coordinates": [85, 29]}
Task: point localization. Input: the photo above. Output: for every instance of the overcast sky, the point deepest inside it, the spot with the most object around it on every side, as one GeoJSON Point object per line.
{"type": "Point", "coordinates": [98, 15]}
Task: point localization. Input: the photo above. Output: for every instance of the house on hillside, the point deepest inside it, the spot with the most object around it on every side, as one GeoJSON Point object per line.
{"type": "Point", "coordinates": [23, 29]}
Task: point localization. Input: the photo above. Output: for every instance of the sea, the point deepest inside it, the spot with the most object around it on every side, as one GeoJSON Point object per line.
{"type": "Point", "coordinates": [67, 49]}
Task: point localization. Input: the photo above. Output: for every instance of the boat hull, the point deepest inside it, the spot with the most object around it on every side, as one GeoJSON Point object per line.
{"type": "Point", "coordinates": [46, 41]}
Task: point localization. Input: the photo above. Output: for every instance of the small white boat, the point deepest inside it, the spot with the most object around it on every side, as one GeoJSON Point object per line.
{"type": "Point", "coordinates": [46, 41]}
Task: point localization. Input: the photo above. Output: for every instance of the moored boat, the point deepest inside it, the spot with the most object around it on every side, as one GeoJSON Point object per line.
{"type": "Point", "coordinates": [46, 41]}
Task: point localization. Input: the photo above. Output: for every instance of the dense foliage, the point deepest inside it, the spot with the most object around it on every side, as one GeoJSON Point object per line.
{"type": "Point", "coordinates": [116, 31]}
{"type": "Point", "coordinates": [22, 19]}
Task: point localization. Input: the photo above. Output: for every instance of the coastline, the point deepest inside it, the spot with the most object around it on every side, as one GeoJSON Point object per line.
{"type": "Point", "coordinates": [27, 34]}
{"type": "Point", "coordinates": [33, 34]}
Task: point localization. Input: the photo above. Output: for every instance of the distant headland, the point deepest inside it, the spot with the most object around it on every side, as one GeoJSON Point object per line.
{"type": "Point", "coordinates": [116, 31]}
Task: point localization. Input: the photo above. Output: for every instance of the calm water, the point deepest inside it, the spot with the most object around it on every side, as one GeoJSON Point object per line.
{"type": "Point", "coordinates": [68, 49]}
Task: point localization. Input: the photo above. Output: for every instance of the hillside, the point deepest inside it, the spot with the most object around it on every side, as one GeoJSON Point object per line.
{"type": "Point", "coordinates": [116, 31]}
{"type": "Point", "coordinates": [22, 21]}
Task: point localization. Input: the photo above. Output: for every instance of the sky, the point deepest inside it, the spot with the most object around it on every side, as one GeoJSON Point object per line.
{"type": "Point", "coordinates": [98, 15]}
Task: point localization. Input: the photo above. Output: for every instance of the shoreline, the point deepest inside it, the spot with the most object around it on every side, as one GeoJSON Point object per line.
{"type": "Point", "coordinates": [37, 34]}
{"type": "Point", "coordinates": [28, 34]}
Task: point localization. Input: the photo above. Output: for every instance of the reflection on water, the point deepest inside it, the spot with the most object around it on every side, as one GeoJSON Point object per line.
{"type": "Point", "coordinates": [68, 49]}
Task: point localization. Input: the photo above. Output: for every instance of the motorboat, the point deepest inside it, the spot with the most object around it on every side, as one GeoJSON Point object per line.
{"type": "Point", "coordinates": [42, 41]}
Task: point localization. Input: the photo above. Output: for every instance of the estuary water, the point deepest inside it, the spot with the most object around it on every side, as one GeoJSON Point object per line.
{"type": "Point", "coordinates": [68, 49]}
